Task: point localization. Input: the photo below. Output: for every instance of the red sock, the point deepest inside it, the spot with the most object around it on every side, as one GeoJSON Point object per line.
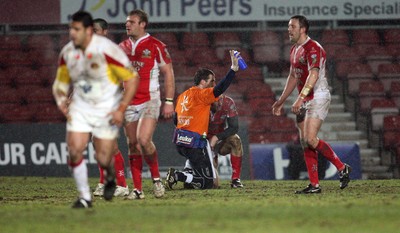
{"type": "Point", "coordinates": [119, 166]}
{"type": "Point", "coordinates": [136, 164]}
{"type": "Point", "coordinates": [101, 171]}
{"type": "Point", "coordinates": [236, 163]}
{"type": "Point", "coordinates": [324, 149]}
{"type": "Point", "coordinates": [152, 162]}
{"type": "Point", "coordinates": [311, 158]}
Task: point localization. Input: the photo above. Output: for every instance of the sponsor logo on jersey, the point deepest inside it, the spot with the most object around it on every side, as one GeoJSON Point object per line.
{"type": "Point", "coordinates": [146, 53]}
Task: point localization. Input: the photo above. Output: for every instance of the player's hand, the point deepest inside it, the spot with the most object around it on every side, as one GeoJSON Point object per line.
{"type": "Point", "coordinates": [117, 118]}
{"type": "Point", "coordinates": [234, 60]}
{"type": "Point", "coordinates": [168, 111]}
{"type": "Point", "coordinates": [277, 108]}
{"type": "Point", "coordinates": [297, 106]}
{"type": "Point", "coordinates": [213, 142]}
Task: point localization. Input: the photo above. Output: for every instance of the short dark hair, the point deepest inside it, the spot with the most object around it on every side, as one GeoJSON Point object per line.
{"type": "Point", "coordinates": [84, 17]}
{"type": "Point", "coordinates": [303, 21]}
{"type": "Point", "coordinates": [103, 24]}
{"type": "Point", "coordinates": [142, 15]}
{"type": "Point", "coordinates": [202, 74]}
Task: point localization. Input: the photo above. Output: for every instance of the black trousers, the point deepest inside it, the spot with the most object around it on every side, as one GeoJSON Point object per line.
{"type": "Point", "coordinates": [201, 162]}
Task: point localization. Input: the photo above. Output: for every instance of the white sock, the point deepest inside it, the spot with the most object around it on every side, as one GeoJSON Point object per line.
{"type": "Point", "coordinates": [80, 174]}
{"type": "Point", "coordinates": [189, 177]}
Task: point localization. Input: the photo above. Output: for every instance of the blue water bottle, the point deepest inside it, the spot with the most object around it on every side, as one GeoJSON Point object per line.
{"type": "Point", "coordinates": [242, 63]}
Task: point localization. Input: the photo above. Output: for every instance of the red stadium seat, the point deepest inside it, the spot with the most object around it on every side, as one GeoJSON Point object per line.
{"type": "Point", "coordinates": [365, 36]}
{"type": "Point", "coordinates": [391, 131]}
{"type": "Point", "coordinates": [11, 95]}
{"type": "Point", "coordinates": [62, 41]}
{"type": "Point", "coordinates": [41, 42]}
{"type": "Point", "coordinates": [335, 51]}
{"type": "Point", "coordinates": [195, 39]}
{"type": "Point", "coordinates": [357, 73]}
{"type": "Point", "coordinates": [395, 92]}
{"type": "Point", "coordinates": [168, 38]}
{"type": "Point", "coordinates": [36, 94]}
{"type": "Point", "coordinates": [224, 41]}
{"type": "Point", "coordinates": [335, 36]}
{"type": "Point", "coordinates": [387, 73]}
{"type": "Point", "coordinates": [5, 76]}
{"type": "Point", "coordinates": [368, 91]}
{"type": "Point", "coordinates": [252, 73]}
{"type": "Point", "coordinates": [380, 109]}
{"type": "Point", "coordinates": [11, 42]}
{"type": "Point", "coordinates": [267, 54]}
{"type": "Point", "coordinates": [267, 37]}
{"type": "Point", "coordinates": [202, 56]}
{"type": "Point", "coordinates": [391, 36]}
{"type": "Point", "coordinates": [178, 57]}
{"type": "Point", "coordinates": [227, 39]}
{"type": "Point", "coordinates": [19, 114]}
{"type": "Point", "coordinates": [15, 58]}
{"type": "Point", "coordinates": [351, 54]}
{"type": "Point", "coordinates": [47, 113]}
{"type": "Point", "coordinates": [28, 76]}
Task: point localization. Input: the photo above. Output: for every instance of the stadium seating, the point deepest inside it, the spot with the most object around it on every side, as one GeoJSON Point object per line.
{"type": "Point", "coordinates": [365, 36]}
{"type": "Point", "coordinates": [391, 131]}
{"type": "Point", "coordinates": [168, 38]}
{"type": "Point", "coordinates": [380, 109]}
{"type": "Point", "coordinates": [19, 114]}
{"type": "Point", "coordinates": [224, 41]}
{"type": "Point", "coordinates": [335, 51]}
{"type": "Point", "coordinates": [391, 36]}
{"type": "Point", "coordinates": [369, 91]}
{"type": "Point", "coordinates": [267, 54]}
{"type": "Point", "coordinates": [47, 112]}
{"type": "Point", "coordinates": [202, 56]}
{"type": "Point", "coordinates": [335, 37]}
{"type": "Point", "coordinates": [388, 73]}
{"type": "Point", "coordinates": [266, 37]}
{"type": "Point", "coordinates": [356, 73]}
{"type": "Point", "coordinates": [41, 42]}
{"type": "Point", "coordinates": [9, 94]}
{"type": "Point", "coordinates": [395, 92]}
{"type": "Point", "coordinates": [195, 39]}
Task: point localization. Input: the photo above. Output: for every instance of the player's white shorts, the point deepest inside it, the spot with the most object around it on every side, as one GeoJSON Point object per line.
{"type": "Point", "coordinates": [98, 125]}
{"type": "Point", "coordinates": [149, 109]}
{"type": "Point", "coordinates": [318, 108]}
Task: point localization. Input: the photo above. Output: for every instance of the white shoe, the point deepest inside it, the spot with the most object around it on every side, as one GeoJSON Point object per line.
{"type": "Point", "coordinates": [99, 190]}
{"type": "Point", "coordinates": [135, 194]}
{"type": "Point", "coordinates": [121, 191]}
{"type": "Point", "coordinates": [158, 189]}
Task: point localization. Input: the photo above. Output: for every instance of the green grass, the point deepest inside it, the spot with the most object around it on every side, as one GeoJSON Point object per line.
{"type": "Point", "coordinates": [35, 204]}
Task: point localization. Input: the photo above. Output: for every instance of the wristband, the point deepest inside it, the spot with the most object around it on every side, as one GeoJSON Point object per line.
{"type": "Point", "coordinates": [169, 101]}
{"type": "Point", "coordinates": [122, 107]}
{"type": "Point", "coordinates": [305, 91]}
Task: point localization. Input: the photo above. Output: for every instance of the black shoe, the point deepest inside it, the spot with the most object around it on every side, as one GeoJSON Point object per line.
{"type": "Point", "coordinates": [345, 176]}
{"type": "Point", "coordinates": [82, 204]}
{"type": "Point", "coordinates": [309, 189]}
{"type": "Point", "coordinates": [170, 181]}
{"type": "Point", "coordinates": [236, 184]}
{"type": "Point", "coordinates": [109, 189]}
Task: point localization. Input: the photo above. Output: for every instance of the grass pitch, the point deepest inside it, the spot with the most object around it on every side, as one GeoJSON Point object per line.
{"type": "Point", "coordinates": [36, 204]}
